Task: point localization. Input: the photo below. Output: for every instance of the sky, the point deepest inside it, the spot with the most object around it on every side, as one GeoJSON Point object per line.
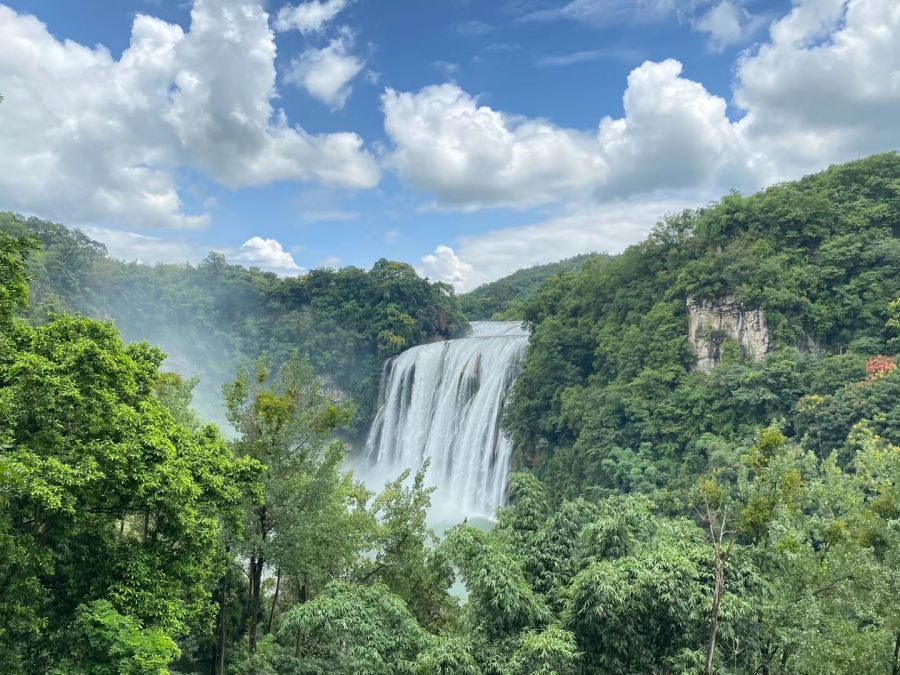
{"type": "Point", "coordinates": [469, 138]}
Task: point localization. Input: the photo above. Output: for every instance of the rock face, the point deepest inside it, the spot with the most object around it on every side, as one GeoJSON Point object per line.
{"type": "Point", "coordinates": [712, 323]}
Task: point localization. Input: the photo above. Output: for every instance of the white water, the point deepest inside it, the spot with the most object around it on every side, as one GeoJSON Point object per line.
{"type": "Point", "coordinates": [444, 401]}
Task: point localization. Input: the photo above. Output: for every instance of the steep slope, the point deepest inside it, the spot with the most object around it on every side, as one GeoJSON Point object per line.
{"type": "Point", "coordinates": [611, 397]}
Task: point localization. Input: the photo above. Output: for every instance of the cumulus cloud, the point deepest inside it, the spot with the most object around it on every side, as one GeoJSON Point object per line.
{"type": "Point", "coordinates": [822, 89]}
{"type": "Point", "coordinates": [88, 138]}
{"type": "Point", "coordinates": [326, 74]}
{"type": "Point", "coordinates": [727, 23]}
{"type": "Point", "coordinates": [309, 17]}
{"type": "Point", "coordinates": [444, 265]}
{"type": "Point", "coordinates": [607, 228]}
{"type": "Point", "coordinates": [266, 254]}
{"type": "Point", "coordinates": [825, 87]}
{"type": "Point", "coordinates": [470, 155]}
{"type": "Point", "coordinates": [674, 135]}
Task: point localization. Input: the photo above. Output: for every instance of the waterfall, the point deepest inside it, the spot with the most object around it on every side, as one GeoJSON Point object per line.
{"type": "Point", "coordinates": [443, 401]}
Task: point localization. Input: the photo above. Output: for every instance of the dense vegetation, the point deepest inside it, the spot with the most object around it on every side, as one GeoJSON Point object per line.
{"type": "Point", "coordinates": [211, 317]}
{"type": "Point", "coordinates": [506, 297]}
{"type": "Point", "coordinates": [743, 521]}
{"type": "Point", "coordinates": [608, 400]}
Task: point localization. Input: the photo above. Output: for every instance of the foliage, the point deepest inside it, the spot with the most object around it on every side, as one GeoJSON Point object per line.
{"type": "Point", "coordinates": [112, 512]}
{"type": "Point", "coordinates": [352, 628]}
{"type": "Point", "coordinates": [212, 317]}
{"type": "Point", "coordinates": [506, 297]}
{"type": "Point", "coordinates": [608, 400]}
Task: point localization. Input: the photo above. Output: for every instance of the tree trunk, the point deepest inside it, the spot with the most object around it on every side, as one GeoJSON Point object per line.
{"type": "Point", "coordinates": [714, 616]}
{"type": "Point", "coordinates": [301, 597]}
{"type": "Point", "coordinates": [256, 568]}
{"type": "Point", "coordinates": [274, 600]}
{"type": "Point", "coordinates": [895, 670]}
{"type": "Point", "coordinates": [219, 665]}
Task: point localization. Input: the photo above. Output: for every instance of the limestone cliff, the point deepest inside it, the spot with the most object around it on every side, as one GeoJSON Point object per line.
{"type": "Point", "coordinates": [712, 323]}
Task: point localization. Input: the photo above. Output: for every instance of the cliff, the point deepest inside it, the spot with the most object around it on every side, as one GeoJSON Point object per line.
{"type": "Point", "coordinates": [712, 323]}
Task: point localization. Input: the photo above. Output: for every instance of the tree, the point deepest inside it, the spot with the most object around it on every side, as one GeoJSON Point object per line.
{"type": "Point", "coordinates": [106, 498]}
{"type": "Point", "coordinates": [353, 628]}
{"type": "Point", "coordinates": [300, 521]}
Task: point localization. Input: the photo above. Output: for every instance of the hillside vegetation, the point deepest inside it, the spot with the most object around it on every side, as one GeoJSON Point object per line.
{"type": "Point", "coordinates": [211, 317]}
{"type": "Point", "coordinates": [506, 297]}
{"type": "Point", "coordinates": [607, 400]}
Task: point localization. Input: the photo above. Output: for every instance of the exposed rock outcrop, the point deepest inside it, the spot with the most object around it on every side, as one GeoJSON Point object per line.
{"type": "Point", "coordinates": [712, 323]}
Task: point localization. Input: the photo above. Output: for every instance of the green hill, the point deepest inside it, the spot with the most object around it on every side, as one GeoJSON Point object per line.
{"type": "Point", "coordinates": [610, 398]}
{"type": "Point", "coordinates": [506, 297]}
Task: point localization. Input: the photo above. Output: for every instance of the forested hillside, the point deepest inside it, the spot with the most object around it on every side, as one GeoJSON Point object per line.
{"type": "Point", "coordinates": [506, 297]}
{"type": "Point", "coordinates": [211, 317]}
{"type": "Point", "coordinates": [609, 399]}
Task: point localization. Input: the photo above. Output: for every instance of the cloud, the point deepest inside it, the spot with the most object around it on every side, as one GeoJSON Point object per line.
{"type": "Point", "coordinates": [444, 265]}
{"type": "Point", "coordinates": [586, 228]}
{"type": "Point", "coordinates": [308, 17]}
{"type": "Point", "coordinates": [588, 55]}
{"type": "Point", "coordinates": [470, 155]}
{"type": "Point", "coordinates": [823, 89]}
{"type": "Point", "coordinates": [90, 139]}
{"type": "Point", "coordinates": [266, 254]}
{"type": "Point", "coordinates": [675, 135]}
{"type": "Point", "coordinates": [326, 73]}
{"type": "Point", "coordinates": [727, 24]}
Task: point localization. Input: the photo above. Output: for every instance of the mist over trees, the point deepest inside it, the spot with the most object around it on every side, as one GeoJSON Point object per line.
{"type": "Point", "coordinates": [212, 317]}
{"type": "Point", "coordinates": [663, 519]}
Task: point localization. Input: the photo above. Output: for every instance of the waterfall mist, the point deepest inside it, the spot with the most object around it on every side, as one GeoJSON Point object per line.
{"type": "Point", "coordinates": [443, 401]}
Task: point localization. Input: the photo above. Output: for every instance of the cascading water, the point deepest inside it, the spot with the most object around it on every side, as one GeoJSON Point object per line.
{"type": "Point", "coordinates": [443, 401]}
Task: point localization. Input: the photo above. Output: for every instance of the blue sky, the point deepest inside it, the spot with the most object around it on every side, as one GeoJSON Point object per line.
{"type": "Point", "coordinates": [466, 137]}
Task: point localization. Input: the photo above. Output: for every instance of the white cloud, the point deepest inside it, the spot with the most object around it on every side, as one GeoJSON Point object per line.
{"type": "Point", "coordinates": [308, 17]}
{"type": "Point", "coordinates": [326, 74]}
{"type": "Point", "coordinates": [726, 23]}
{"type": "Point", "coordinates": [88, 138]}
{"type": "Point", "coordinates": [675, 135]}
{"type": "Point", "coordinates": [444, 265]}
{"type": "Point", "coordinates": [824, 88]}
{"type": "Point", "coordinates": [470, 155]}
{"type": "Point", "coordinates": [267, 254]}
{"type": "Point", "coordinates": [587, 228]}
